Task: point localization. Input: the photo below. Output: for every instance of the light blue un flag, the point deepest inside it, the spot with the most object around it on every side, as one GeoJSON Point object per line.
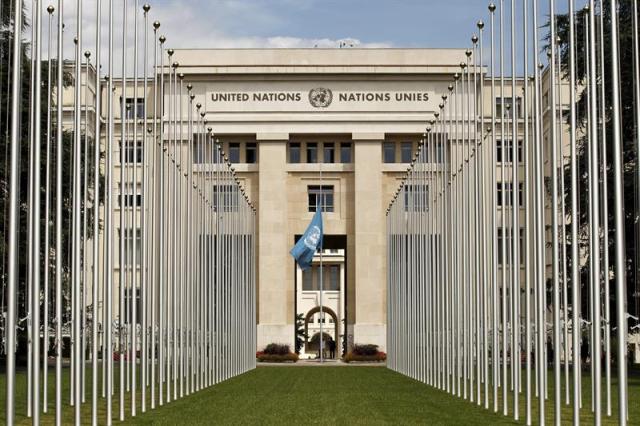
{"type": "Point", "coordinates": [307, 245]}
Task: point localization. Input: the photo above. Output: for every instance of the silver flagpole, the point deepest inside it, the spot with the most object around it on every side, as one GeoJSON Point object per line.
{"type": "Point", "coordinates": [494, 285]}
{"type": "Point", "coordinates": [575, 288]}
{"type": "Point", "coordinates": [59, 219]}
{"type": "Point", "coordinates": [47, 232]}
{"type": "Point", "coordinates": [605, 193]}
{"type": "Point", "coordinates": [594, 198]}
{"type": "Point", "coordinates": [320, 160]}
{"type": "Point", "coordinates": [515, 227]}
{"type": "Point", "coordinates": [13, 270]}
{"type": "Point", "coordinates": [109, 234]}
{"type": "Point", "coordinates": [539, 218]}
{"type": "Point", "coordinates": [161, 225]}
{"type": "Point", "coordinates": [76, 226]}
{"type": "Point", "coordinates": [96, 225]}
{"type": "Point", "coordinates": [145, 217]}
{"type": "Point", "coordinates": [83, 235]}
{"type": "Point", "coordinates": [621, 279]}
{"type": "Point", "coordinates": [156, 187]}
{"type": "Point", "coordinates": [182, 256]}
{"type": "Point", "coordinates": [554, 218]}
{"type": "Point", "coordinates": [35, 212]}
{"type": "Point", "coordinates": [503, 236]}
{"type": "Point", "coordinates": [527, 213]}
{"type": "Point", "coordinates": [123, 204]}
{"type": "Point", "coordinates": [133, 230]}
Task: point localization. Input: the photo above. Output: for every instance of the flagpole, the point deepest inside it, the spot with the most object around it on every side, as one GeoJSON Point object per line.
{"type": "Point", "coordinates": [322, 198]}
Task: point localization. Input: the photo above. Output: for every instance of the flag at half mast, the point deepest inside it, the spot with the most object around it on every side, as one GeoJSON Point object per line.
{"type": "Point", "coordinates": [310, 241]}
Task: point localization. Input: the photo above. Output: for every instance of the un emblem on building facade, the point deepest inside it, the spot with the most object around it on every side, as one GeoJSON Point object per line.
{"type": "Point", "coordinates": [320, 97]}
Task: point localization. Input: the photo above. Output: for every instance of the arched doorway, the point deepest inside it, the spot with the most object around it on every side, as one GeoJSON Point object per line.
{"type": "Point", "coordinates": [312, 343]}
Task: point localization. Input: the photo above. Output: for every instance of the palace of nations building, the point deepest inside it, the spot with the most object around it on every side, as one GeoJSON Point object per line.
{"type": "Point", "coordinates": [299, 124]}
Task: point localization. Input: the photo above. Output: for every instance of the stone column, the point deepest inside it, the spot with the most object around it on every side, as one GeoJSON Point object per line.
{"type": "Point", "coordinates": [370, 315]}
{"type": "Point", "coordinates": [275, 294]}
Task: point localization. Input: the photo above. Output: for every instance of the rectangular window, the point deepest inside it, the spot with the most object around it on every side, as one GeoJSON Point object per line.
{"type": "Point", "coordinates": [507, 156]}
{"type": "Point", "coordinates": [507, 112]}
{"type": "Point", "coordinates": [312, 152]}
{"type": "Point", "coordinates": [126, 198]}
{"type": "Point", "coordinates": [128, 242]}
{"type": "Point", "coordinates": [406, 149]}
{"type": "Point", "coordinates": [307, 280]}
{"type": "Point", "coordinates": [439, 153]}
{"type": "Point", "coordinates": [320, 195]}
{"type": "Point", "coordinates": [129, 154]}
{"type": "Point", "coordinates": [333, 274]}
{"type": "Point", "coordinates": [416, 198]}
{"type": "Point", "coordinates": [509, 246]}
{"type": "Point", "coordinates": [234, 153]}
{"type": "Point", "coordinates": [131, 106]}
{"type": "Point", "coordinates": [504, 198]}
{"type": "Point", "coordinates": [198, 152]}
{"type": "Point", "coordinates": [224, 197]}
{"type": "Point", "coordinates": [329, 153]}
{"type": "Point", "coordinates": [251, 153]}
{"type": "Point", "coordinates": [389, 152]}
{"type": "Point", "coordinates": [345, 152]}
{"type": "Point", "coordinates": [294, 152]}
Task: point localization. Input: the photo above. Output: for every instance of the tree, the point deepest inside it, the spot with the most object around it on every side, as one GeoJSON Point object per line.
{"type": "Point", "coordinates": [629, 136]}
{"type": "Point", "coordinates": [6, 47]}
{"type": "Point", "coordinates": [301, 334]}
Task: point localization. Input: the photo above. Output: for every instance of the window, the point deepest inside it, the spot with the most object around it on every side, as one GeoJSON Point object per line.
{"type": "Point", "coordinates": [251, 153]}
{"type": "Point", "coordinates": [128, 196]}
{"type": "Point", "coordinates": [129, 154]}
{"type": "Point", "coordinates": [509, 247]}
{"type": "Point", "coordinates": [329, 153]}
{"type": "Point", "coordinates": [504, 198]}
{"type": "Point", "coordinates": [416, 198]}
{"type": "Point", "coordinates": [508, 101]}
{"type": "Point", "coordinates": [439, 152]}
{"type": "Point", "coordinates": [320, 195]}
{"type": "Point", "coordinates": [345, 152]}
{"type": "Point", "coordinates": [406, 149]}
{"type": "Point", "coordinates": [307, 280]}
{"type": "Point", "coordinates": [312, 152]}
{"type": "Point", "coordinates": [224, 197]}
{"type": "Point", "coordinates": [330, 278]}
{"type": "Point", "coordinates": [389, 152]}
{"type": "Point", "coordinates": [234, 153]}
{"type": "Point", "coordinates": [128, 243]}
{"type": "Point", "coordinates": [332, 282]}
{"type": "Point", "coordinates": [294, 152]}
{"type": "Point", "coordinates": [508, 156]}
{"type": "Point", "coordinates": [198, 152]}
{"type": "Point", "coordinates": [130, 103]}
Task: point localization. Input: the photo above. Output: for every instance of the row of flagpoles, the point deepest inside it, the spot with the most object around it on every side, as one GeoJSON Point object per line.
{"type": "Point", "coordinates": [155, 295]}
{"type": "Point", "coordinates": [507, 264]}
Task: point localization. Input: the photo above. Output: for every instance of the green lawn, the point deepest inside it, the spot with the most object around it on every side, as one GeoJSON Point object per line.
{"type": "Point", "coordinates": [317, 395]}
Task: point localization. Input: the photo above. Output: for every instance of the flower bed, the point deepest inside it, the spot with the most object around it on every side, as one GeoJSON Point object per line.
{"type": "Point", "coordinates": [275, 352]}
{"type": "Point", "coordinates": [365, 353]}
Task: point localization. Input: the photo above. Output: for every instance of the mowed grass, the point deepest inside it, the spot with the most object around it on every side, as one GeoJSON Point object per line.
{"type": "Point", "coordinates": [316, 395]}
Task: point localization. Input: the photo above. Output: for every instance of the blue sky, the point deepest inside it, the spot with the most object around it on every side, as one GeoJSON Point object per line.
{"type": "Point", "coordinates": [307, 23]}
{"type": "Point", "coordinates": [300, 23]}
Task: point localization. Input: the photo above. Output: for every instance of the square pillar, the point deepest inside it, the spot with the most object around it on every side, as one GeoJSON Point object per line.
{"type": "Point", "coordinates": [370, 246]}
{"type": "Point", "coordinates": [275, 294]}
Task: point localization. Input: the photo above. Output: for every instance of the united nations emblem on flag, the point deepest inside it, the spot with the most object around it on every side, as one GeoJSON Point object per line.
{"type": "Point", "coordinates": [320, 97]}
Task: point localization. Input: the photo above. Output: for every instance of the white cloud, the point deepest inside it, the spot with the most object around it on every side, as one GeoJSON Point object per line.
{"type": "Point", "coordinates": [192, 24]}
